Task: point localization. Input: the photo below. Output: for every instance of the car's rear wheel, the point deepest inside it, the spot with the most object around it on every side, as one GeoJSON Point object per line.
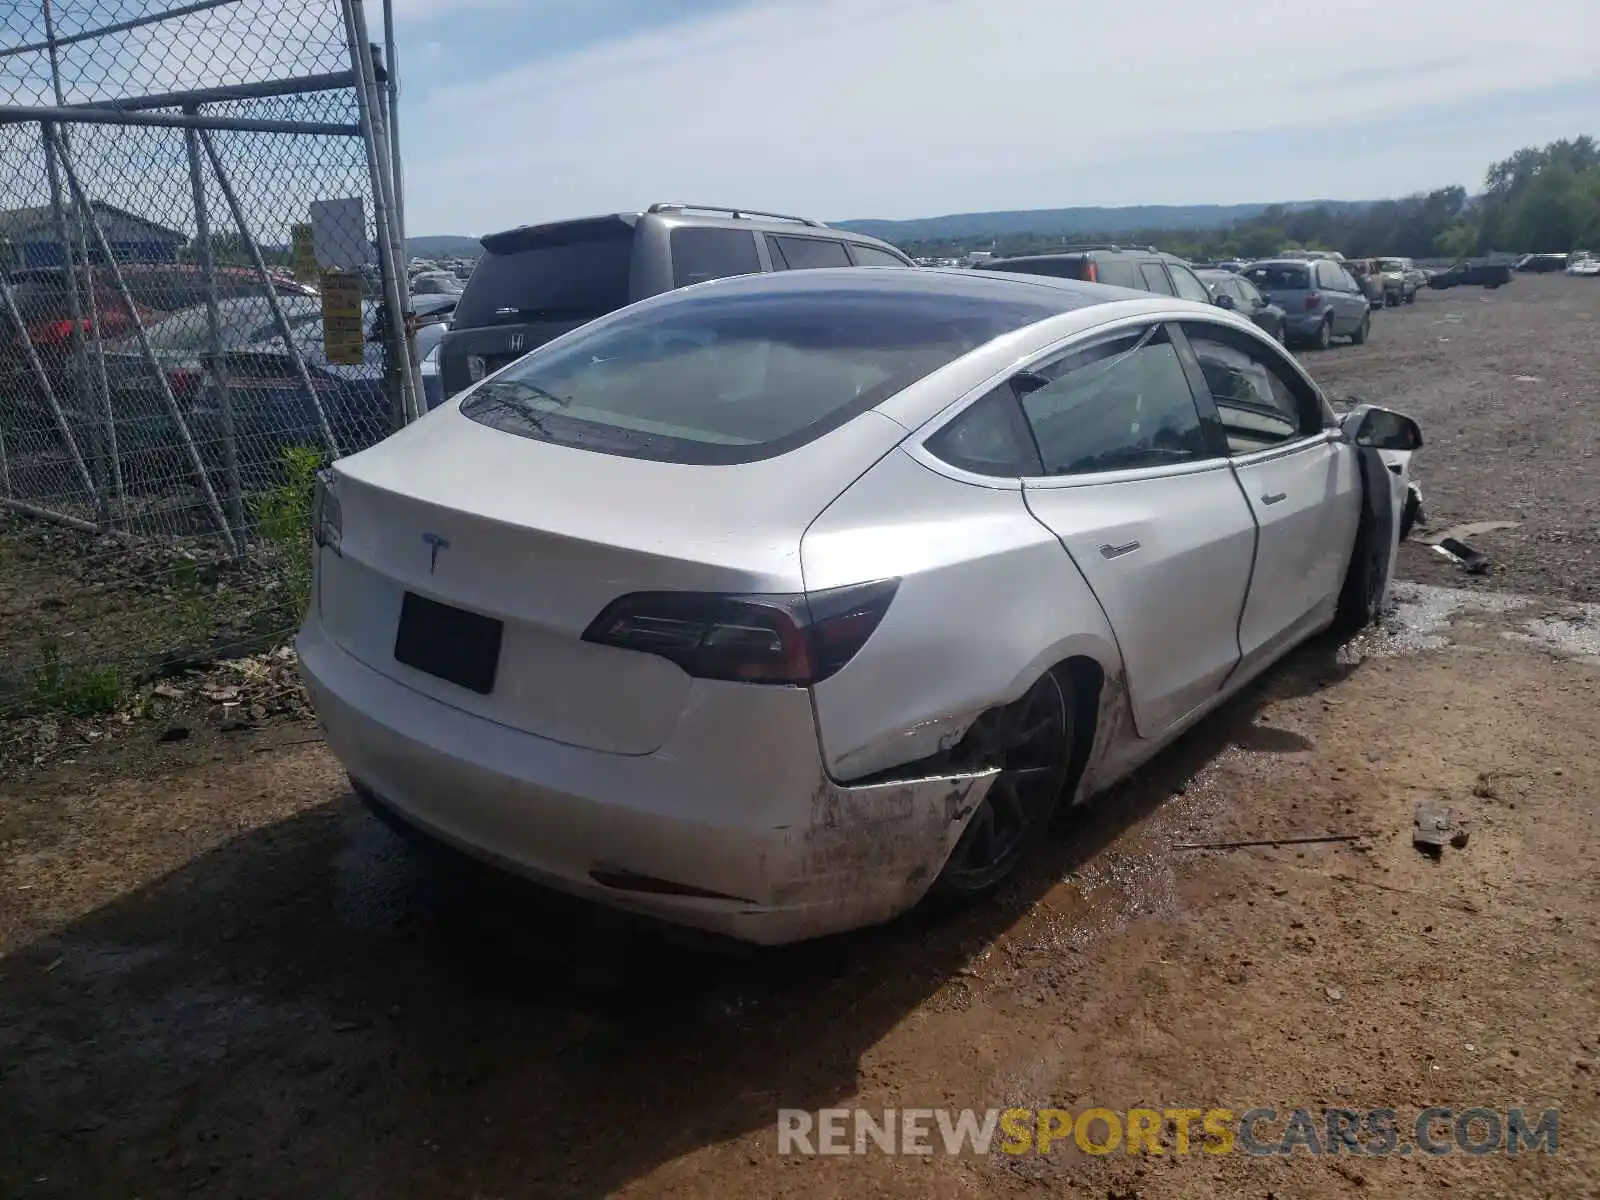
{"type": "Point", "coordinates": [1359, 337]}
{"type": "Point", "coordinates": [1324, 337]}
{"type": "Point", "coordinates": [1031, 742]}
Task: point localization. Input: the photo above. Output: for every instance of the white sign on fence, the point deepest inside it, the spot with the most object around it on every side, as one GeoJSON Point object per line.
{"type": "Point", "coordinates": [339, 233]}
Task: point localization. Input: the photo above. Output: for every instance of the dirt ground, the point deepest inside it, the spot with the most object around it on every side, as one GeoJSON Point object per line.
{"type": "Point", "coordinates": [220, 977]}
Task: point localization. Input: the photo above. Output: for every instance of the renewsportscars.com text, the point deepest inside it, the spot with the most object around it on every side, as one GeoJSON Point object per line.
{"type": "Point", "coordinates": [1179, 1131]}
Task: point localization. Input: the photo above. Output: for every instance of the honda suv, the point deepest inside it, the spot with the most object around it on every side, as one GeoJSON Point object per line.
{"type": "Point", "coordinates": [1146, 269]}
{"type": "Point", "coordinates": [534, 283]}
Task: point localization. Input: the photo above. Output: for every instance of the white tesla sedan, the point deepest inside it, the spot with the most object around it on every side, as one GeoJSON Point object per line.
{"type": "Point", "coordinates": [772, 605]}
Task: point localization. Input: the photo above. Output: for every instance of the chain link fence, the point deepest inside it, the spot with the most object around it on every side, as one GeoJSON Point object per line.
{"type": "Point", "coordinates": [201, 301]}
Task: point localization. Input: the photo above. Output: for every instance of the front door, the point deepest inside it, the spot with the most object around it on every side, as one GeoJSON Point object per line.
{"type": "Point", "coordinates": [1302, 485]}
{"type": "Point", "coordinates": [1148, 510]}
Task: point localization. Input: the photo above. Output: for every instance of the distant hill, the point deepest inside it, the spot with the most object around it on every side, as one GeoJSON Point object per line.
{"type": "Point", "coordinates": [443, 245]}
{"type": "Point", "coordinates": [1067, 221]}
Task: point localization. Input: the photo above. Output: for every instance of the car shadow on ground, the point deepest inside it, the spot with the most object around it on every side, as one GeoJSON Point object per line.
{"type": "Point", "coordinates": [317, 1008]}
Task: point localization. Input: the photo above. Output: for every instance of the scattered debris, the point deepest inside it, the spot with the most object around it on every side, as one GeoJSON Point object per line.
{"type": "Point", "coordinates": [173, 733]}
{"type": "Point", "coordinates": [1434, 827]}
{"type": "Point", "coordinates": [1527, 379]}
{"type": "Point", "coordinates": [1333, 993]}
{"type": "Point", "coordinates": [1464, 556]}
{"type": "Point", "coordinates": [1290, 841]}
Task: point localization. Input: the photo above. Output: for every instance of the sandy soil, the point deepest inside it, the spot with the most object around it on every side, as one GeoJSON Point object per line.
{"type": "Point", "coordinates": [220, 977]}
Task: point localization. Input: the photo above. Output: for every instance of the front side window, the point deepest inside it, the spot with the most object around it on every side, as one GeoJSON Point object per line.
{"type": "Point", "coordinates": [699, 254]}
{"type": "Point", "coordinates": [1189, 288]}
{"type": "Point", "coordinates": [799, 254]}
{"type": "Point", "coordinates": [1155, 278]}
{"type": "Point", "coordinates": [1116, 406]}
{"type": "Point", "coordinates": [1247, 293]}
{"type": "Point", "coordinates": [1262, 402]}
{"type": "Point", "coordinates": [739, 375]}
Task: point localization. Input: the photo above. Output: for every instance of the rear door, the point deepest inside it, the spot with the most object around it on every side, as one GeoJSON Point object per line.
{"type": "Point", "coordinates": [1302, 488]}
{"type": "Point", "coordinates": [531, 286]}
{"type": "Point", "coordinates": [1138, 495]}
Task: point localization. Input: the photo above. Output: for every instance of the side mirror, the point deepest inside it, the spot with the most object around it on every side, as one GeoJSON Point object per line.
{"type": "Point", "coordinates": [1225, 301]}
{"type": "Point", "coordinates": [1381, 429]}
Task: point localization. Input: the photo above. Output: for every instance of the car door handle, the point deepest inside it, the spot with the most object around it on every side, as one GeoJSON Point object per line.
{"type": "Point", "coordinates": [1274, 497]}
{"type": "Point", "coordinates": [1110, 551]}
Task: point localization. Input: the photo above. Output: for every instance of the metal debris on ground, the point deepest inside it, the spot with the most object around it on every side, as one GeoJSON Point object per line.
{"type": "Point", "coordinates": [1434, 827]}
{"type": "Point", "coordinates": [1468, 530]}
{"type": "Point", "coordinates": [1464, 556]}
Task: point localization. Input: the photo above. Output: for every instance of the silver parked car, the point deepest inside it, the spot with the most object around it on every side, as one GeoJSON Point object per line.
{"type": "Point", "coordinates": [772, 605]}
{"type": "Point", "coordinates": [1322, 299]}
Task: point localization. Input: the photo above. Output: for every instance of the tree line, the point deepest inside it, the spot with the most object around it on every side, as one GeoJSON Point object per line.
{"type": "Point", "coordinates": [1542, 198]}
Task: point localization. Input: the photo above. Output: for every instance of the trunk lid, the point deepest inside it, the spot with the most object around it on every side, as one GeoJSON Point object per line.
{"type": "Point", "coordinates": [541, 538]}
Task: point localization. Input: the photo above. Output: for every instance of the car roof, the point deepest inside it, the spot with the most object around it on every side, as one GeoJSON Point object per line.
{"type": "Point", "coordinates": [675, 215]}
{"type": "Point", "coordinates": [1051, 295]}
{"type": "Point", "coordinates": [1287, 262]}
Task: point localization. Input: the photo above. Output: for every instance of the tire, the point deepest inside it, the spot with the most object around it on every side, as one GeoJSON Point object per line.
{"type": "Point", "coordinates": [1031, 741]}
{"type": "Point", "coordinates": [1362, 331]}
{"type": "Point", "coordinates": [1324, 337]}
{"type": "Point", "coordinates": [1366, 579]}
{"type": "Point", "coordinates": [1411, 297]}
{"type": "Point", "coordinates": [1409, 514]}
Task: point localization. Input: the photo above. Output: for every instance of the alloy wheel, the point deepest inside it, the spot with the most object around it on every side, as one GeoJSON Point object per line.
{"type": "Point", "coordinates": [1030, 741]}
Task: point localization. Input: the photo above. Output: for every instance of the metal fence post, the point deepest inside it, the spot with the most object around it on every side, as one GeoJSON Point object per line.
{"type": "Point", "coordinates": [216, 374]}
{"type": "Point", "coordinates": [202, 476]}
{"type": "Point", "coordinates": [279, 320]}
{"type": "Point", "coordinates": [391, 261]}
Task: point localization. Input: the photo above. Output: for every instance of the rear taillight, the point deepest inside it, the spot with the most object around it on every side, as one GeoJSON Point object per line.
{"type": "Point", "coordinates": [787, 639]}
{"type": "Point", "coordinates": [327, 515]}
{"type": "Point", "coordinates": [1091, 273]}
{"type": "Point", "coordinates": [55, 333]}
{"type": "Point", "coordinates": [1313, 301]}
{"type": "Point", "coordinates": [185, 384]}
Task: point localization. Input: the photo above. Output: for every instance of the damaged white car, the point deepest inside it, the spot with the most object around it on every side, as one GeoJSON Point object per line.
{"type": "Point", "coordinates": [772, 605]}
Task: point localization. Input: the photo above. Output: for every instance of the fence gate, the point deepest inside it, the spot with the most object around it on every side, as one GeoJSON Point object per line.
{"type": "Point", "coordinates": [202, 288]}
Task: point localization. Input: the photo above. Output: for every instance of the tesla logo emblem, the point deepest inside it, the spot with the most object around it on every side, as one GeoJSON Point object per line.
{"type": "Point", "coordinates": [516, 343]}
{"type": "Point", "coordinates": [435, 544]}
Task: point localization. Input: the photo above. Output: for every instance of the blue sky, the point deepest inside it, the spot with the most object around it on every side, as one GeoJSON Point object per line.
{"type": "Point", "coordinates": [527, 110]}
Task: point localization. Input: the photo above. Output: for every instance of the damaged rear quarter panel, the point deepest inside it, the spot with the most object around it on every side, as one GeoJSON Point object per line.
{"type": "Point", "coordinates": [885, 840]}
{"type": "Point", "coordinates": [988, 601]}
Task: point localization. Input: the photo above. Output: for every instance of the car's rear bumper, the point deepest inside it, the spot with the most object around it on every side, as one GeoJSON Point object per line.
{"type": "Point", "coordinates": [741, 820]}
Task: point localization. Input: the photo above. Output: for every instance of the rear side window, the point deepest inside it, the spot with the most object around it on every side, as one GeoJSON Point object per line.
{"type": "Point", "coordinates": [702, 254]}
{"type": "Point", "coordinates": [730, 377]}
{"type": "Point", "coordinates": [871, 256]}
{"type": "Point", "coordinates": [1189, 288]}
{"type": "Point", "coordinates": [1276, 277]}
{"type": "Point", "coordinates": [1122, 404]}
{"type": "Point", "coordinates": [550, 278]}
{"type": "Point", "coordinates": [1155, 278]}
{"type": "Point", "coordinates": [798, 254]}
{"type": "Point", "coordinates": [988, 439]}
{"type": "Point", "coordinates": [1117, 273]}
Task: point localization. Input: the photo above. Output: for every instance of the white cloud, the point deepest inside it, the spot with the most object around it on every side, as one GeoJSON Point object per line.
{"type": "Point", "coordinates": [897, 108]}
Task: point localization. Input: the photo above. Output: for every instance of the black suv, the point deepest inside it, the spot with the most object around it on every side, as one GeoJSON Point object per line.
{"type": "Point", "coordinates": [1144, 268]}
{"type": "Point", "coordinates": [534, 283]}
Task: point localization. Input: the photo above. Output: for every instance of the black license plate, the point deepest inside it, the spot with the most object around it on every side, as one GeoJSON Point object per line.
{"type": "Point", "coordinates": [449, 643]}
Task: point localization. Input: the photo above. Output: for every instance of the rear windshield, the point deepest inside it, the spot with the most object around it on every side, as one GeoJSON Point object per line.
{"type": "Point", "coordinates": [1272, 277]}
{"type": "Point", "coordinates": [736, 377]}
{"type": "Point", "coordinates": [550, 280]}
{"type": "Point", "coordinates": [1056, 268]}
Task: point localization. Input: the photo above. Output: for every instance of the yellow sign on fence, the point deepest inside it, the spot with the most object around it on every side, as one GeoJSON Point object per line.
{"type": "Point", "coordinates": [344, 336]}
{"type": "Point", "coordinates": [305, 253]}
